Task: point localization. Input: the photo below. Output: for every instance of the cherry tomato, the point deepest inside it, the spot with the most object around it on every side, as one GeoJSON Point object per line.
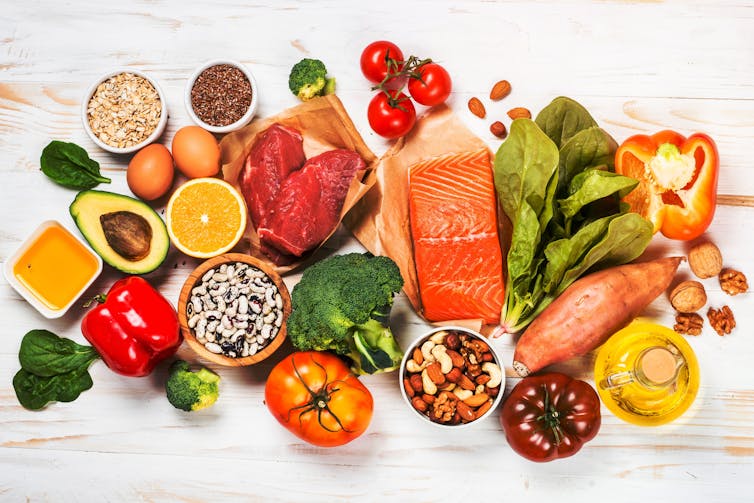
{"type": "Point", "coordinates": [391, 116]}
{"type": "Point", "coordinates": [433, 88]}
{"type": "Point", "coordinates": [374, 60]}
{"type": "Point", "coordinates": [317, 397]}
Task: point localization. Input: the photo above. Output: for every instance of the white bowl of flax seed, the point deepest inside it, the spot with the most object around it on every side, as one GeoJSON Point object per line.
{"type": "Point", "coordinates": [124, 110]}
{"type": "Point", "coordinates": [221, 96]}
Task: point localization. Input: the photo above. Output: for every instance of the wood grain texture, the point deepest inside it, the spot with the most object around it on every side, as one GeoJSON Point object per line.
{"type": "Point", "coordinates": [638, 66]}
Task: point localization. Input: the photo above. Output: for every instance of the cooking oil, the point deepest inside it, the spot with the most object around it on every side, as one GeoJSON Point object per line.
{"type": "Point", "coordinates": [646, 374]}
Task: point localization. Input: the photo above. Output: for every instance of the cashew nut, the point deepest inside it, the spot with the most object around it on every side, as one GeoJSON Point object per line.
{"type": "Point", "coordinates": [496, 375]}
{"type": "Point", "coordinates": [438, 337]}
{"type": "Point", "coordinates": [462, 394]}
{"type": "Point", "coordinates": [430, 388]}
{"type": "Point", "coordinates": [479, 388]}
{"type": "Point", "coordinates": [414, 367]}
{"type": "Point", "coordinates": [446, 362]}
{"type": "Point", "coordinates": [427, 351]}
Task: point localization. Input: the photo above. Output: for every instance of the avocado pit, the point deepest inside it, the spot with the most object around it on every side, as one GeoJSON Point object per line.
{"type": "Point", "coordinates": [127, 233]}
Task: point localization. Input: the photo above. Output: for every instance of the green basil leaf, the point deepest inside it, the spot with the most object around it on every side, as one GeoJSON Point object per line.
{"type": "Point", "coordinates": [562, 119]}
{"type": "Point", "coordinates": [589, 148]}
{"type": "Point", "coordinates": [70, 166]}
{"type": "Point", "coordinates": [45, 354]}
{"type": "Point", "coordinates": [35, 392]}
{"type": "Point", "coordinates": [592, 185]}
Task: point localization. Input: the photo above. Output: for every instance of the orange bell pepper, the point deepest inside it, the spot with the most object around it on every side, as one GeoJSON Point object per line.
{"type": "Point", "coordinates": [677, 176]}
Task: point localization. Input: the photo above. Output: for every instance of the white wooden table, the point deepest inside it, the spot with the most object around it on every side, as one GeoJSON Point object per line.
{"type": "Point", "coordinates": [638, 67]}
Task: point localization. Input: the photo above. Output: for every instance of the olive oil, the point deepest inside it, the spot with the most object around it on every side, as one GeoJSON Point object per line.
{"type": "Point", "coordinates": [647, 374]}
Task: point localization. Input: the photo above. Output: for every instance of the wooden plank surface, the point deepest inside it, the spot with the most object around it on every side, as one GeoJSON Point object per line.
{"type": "Point", "coordinates": [638, 66]}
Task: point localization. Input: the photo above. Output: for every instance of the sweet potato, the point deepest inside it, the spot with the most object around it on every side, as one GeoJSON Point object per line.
{"type": "Point", "coordinates": [591, 310]}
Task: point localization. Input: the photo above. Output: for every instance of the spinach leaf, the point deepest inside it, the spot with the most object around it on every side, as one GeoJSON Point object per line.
{"type": "Point", "coordinates": [53, 369]}
{"type": "Point", "coordinates": [45, 354]}
{"type": "Point", "coordinates": [589, 148]}
{"type": "Point", "coordinates": [592, 185]}
{"type": "Point", "coordinates": [563, 118]}
{"type": "Point", "coordinates": [70, 166]}
{"type": "Point", "coordinates": [34, 392]}
{"type": "Point", "coordinates": [524, 165]}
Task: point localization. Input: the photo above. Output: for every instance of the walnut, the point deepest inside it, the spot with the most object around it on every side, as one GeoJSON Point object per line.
{"type": "Point", "coordinates": [444, 408]}
{"type": "Point", "coordinates": [705, 260]}
{"type": "Point", "coordinates": [688, 323]}
{"type": "Point", "coordinates": [722, 320]}
{"type": "Point", "coordinates": [733, 282]}
{"type": "Point", "coordinates": [688, 297]}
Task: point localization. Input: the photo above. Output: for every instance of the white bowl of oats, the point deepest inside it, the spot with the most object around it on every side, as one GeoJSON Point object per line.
{"type": "Point", "coordinates": [124, 110]}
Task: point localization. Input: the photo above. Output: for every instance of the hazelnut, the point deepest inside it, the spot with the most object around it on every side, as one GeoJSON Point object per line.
{"type": "Point", "coordinates": [688, 297]}
{"type": "Point", "coordinates": [705, 260]}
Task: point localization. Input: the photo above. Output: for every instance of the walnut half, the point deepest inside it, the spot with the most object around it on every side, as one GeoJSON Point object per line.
{"type": "Point", "coordinates": [688, 323]}
{"type": "Point", "coordinates": [733, 282]}
{"type": "Point", "coordinates": [722, 320]}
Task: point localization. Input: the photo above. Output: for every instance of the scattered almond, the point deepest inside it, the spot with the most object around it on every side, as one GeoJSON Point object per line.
{"type": "Point", "coordinates": [498, 129]}
{"type": "Point", "coordinates": [477, 108]}
{"type": "Point", "coordinates": [500, 90]}
{"type": "Point", "coordinates": [519, 113]}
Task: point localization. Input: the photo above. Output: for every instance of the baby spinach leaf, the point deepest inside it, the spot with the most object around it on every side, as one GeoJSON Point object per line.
{"type": "Point", "coordinates": [45, 354]}
{"type": "Point", "coordinates": [70, 166]}
{"type": "Point", "coordinates": [589, 148]}
{"type": "Point", "coordinates": [35, 392]}
{"type": "Point", "coordinates": [592, 185]}
{"type": "Point", "coordinates": [562, 119]}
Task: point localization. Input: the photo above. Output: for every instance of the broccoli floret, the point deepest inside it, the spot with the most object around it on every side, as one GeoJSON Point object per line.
{"type": "Point", "coordinates": [308, 79]}
{"type": "Point", "coordinates": [187, 390]}
{"type": "Point", "coordinates": [343, 304]}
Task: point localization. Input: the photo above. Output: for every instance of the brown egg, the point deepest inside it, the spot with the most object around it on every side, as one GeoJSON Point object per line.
{"type": "Point", "coordinates": [196, 152]}
{"type": "Point", "coordinates": [150, 172]}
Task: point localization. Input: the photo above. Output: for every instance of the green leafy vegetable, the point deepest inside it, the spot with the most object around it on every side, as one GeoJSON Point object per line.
{"type": "Point", "coordinates": [555, 182]}
{"type": "Point", "coordinates": [53, 369]}
{"type": "Point", "coordinates": [70, 166]}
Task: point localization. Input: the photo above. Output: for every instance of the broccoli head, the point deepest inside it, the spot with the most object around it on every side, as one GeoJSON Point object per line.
{"type": "Point", "coordinates": [343, 304]}
{"type": "Point", "coordinates": [308, 79]}
{"type": "Point", "coordinates": [187, 390]}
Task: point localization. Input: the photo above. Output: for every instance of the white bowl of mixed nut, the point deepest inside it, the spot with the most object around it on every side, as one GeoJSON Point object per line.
{"type": "Point", "coordinates": [221, 96]}
{"type": "Point", "coordinates": [233, 310]}
{"type": "Point", "coordinates": [124, 110]}
{"type": "Point", "coordinates": [452, 377]}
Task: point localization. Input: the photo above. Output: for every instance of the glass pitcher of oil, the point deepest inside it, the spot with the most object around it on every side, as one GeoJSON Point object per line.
{"type": "Point", "coordinates": [646, 374]}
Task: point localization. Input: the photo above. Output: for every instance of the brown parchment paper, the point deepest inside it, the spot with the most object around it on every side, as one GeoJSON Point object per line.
{"type": "Point", "coordinates": [324, 125]}
{"type": "Point", "coordinates": [380, 220]}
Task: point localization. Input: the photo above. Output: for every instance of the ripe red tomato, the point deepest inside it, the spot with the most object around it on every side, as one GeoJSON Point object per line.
{"type": "Point", "coordinates": [374, 60]}
{"type": "Point", "coordinates": [317, 397]}
{"type": "Point", "coordinates": [391, 116]}
{"type": "Point", "coordinates": [433, 88]}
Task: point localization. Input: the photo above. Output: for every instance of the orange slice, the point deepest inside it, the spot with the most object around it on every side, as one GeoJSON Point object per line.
{"type": "Point", "coordinates": [205, 217]}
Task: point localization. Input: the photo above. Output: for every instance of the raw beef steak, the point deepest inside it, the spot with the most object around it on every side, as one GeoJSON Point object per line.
{"type": "Point", "coordinates": [308, 205]}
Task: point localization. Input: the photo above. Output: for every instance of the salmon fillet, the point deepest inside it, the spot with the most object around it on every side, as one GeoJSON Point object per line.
{"type": "Point", "coordinates": [453, 213]}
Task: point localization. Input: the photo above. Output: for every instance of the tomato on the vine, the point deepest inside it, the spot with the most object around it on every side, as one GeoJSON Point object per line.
{"type": "Point", "coordinates": [433, 85]}
{"type": "Point", "coordinates": [375, 59]}
{"type": "Point", "coordinates": [391, 115]}
{"type": "Point", "coordinates": [316, 396]}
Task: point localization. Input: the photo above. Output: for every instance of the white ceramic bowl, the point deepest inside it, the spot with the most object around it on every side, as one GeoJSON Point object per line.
{"type": "Point", "coordinates": [245, 119]}
{"type": "Point", "coordinates": [417, 344]}
{"type": "Point", "coordinates": [40, 306]}
{"type": "Point", "coordinates": [151, 138]}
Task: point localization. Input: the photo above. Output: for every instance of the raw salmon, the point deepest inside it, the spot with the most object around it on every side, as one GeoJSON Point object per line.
{"type": "Point", "coordinates": [453, 213]}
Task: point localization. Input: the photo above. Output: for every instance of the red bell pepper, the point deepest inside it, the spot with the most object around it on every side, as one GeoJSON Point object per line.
{"type": "Point", "coordinates": [133, 328]}
{"type": "Point", "coordinates": [677, 176]}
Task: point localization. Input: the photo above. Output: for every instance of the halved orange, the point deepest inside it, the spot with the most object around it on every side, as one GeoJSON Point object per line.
{"type": "Point", "coordinates": [205, 217]}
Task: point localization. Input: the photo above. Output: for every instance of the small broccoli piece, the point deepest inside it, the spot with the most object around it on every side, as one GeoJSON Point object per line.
{"type": "Point", "coordinates": [308, 79]}
{"type": "Point", "coordinates": [343, 304]}
{"type": "Point", "coordinates": [187, 390]}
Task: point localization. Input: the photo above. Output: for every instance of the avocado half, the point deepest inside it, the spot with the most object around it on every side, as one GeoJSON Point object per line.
{"type": "Point", "coordinates": [128, 221]}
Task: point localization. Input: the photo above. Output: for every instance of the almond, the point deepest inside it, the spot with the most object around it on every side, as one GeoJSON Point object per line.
{"type": "Point", "coordinates": [428, 399]}
{"type": "Point", "coordinates": [418, 356]}
{"type": "Point", "coordinates": [519, 113]}
{"type": "Point", "coordinates": [483, 409]}
{"type": "Point", "coordinates": [466, 412]}
{"type": "Point", "coordinates": [477, 108]}
{"type": "Point", "coordinates": [419, 404]}
{"type": "Point", "coordinates": [476, 400]}
{"type": "Point", "coordinates": [497, 128]}
{"type": "Point", "coordinates": [457, 359]}
{"type": "Point", "coordinates": [416, 382]}
{"type": "Point", "coordinates": [482, 379]}
{"type": "Point", "coordinates": [500, 90]}
{"type": "Point", "coordinates": [466, 383]}
{"type": "Point", "coordinates": [454, 375]}
{"type": "Point", "coordinates": [409, 389]}
{"type": "Point", "coordinates": [434, 371]}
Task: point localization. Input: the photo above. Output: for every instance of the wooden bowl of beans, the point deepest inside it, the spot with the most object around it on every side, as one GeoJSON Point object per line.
{"type": "Point", "coordinates": [233, 310]}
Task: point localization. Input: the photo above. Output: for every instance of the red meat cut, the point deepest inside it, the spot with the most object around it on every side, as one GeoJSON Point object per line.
{"type": "Point", "coordinates": [309, 202]}
{"type": "Point", "coordinates": [276, 153]}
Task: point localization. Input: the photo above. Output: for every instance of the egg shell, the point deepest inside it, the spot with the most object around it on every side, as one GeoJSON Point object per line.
{"type": "Point", "coordinates": [196, 152]}
{"type": "Point", "coordinates": [150, 172]}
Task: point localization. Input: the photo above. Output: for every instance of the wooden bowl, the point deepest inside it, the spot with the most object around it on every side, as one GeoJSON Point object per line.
{"type": "Point", "coordinates": [196, 276]}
